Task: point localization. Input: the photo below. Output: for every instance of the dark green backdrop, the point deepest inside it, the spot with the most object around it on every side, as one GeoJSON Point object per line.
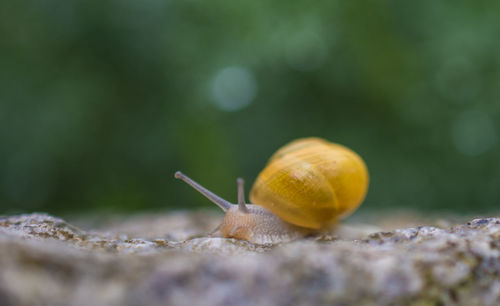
{"type": "Point", "coordinates": [101, 101]}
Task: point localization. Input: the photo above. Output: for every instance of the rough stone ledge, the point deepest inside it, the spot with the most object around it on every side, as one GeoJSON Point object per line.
{"type": "Point", "coordinates": [46, 261]}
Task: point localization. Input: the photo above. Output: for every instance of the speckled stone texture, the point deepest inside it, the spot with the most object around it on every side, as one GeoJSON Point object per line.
{"type": "Point", "coordinates": [166, 260]}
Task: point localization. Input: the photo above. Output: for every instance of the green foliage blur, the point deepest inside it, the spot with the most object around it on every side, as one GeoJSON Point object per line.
{"type": "Point", "coordinates": [102, 101]}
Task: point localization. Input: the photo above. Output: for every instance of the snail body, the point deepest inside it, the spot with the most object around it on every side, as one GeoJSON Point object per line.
{"type": "Point", "coordinates": [306, 187]}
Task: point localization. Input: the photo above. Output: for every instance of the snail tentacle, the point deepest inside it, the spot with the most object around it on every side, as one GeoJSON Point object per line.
{"type": "Point", "coordinates": [231, 233]}
{"type": "Point", "coordinates": [241, 195]}
{"type": "Point", "coordinates": [223, 204]}
{"type": "Point", "coordinates": [215, 230]}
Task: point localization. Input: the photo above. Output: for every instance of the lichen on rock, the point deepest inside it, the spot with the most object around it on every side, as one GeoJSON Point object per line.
{"type": "Point", "coordinates": [47, 261]}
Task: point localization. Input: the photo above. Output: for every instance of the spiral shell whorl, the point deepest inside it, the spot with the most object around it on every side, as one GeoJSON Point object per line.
{"type": "Point", "coordinates": [311, 183]}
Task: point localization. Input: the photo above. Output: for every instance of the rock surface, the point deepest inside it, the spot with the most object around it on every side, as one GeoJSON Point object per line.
{"type": "Point", "coordinates": [161, 261]}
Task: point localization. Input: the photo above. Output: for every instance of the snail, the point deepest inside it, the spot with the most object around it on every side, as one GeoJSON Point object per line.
{"type": "Point", "coordinates": [306, 187]}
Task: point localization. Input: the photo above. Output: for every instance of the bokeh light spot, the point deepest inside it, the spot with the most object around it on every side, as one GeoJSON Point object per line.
{"type": "Point", "coordinates": [234, 88]}
{"type": "Point", "coordinates": [473, 132]}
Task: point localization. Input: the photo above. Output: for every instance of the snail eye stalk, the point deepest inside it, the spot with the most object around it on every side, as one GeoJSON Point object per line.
{"type": "Point", "coordinates": [223, 204]}
{"type": "Point", "coordinates": [241, 195]}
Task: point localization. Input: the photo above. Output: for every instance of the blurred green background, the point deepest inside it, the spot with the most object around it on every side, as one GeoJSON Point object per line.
{"type": "Point", "coordinates": [102, 101]}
